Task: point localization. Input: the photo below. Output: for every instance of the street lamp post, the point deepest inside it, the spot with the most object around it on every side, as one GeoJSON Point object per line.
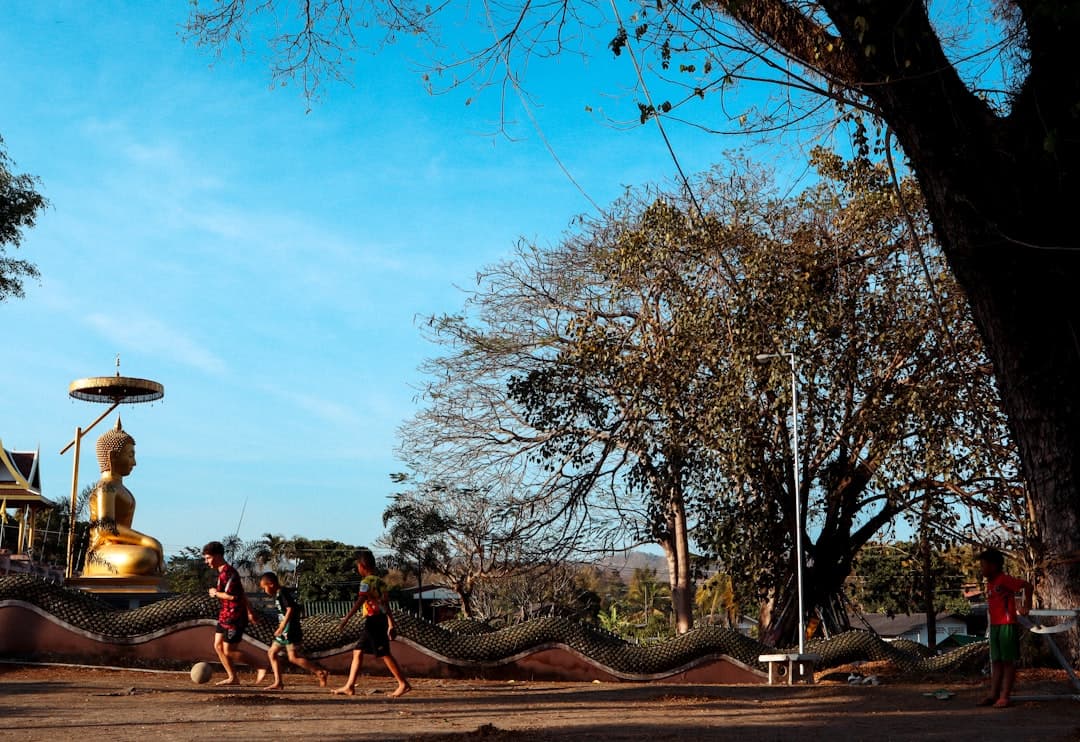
{"type": "Point", "coordinates": [798, 501]}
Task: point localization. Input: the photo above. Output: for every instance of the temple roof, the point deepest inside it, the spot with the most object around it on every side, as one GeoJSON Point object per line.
{"type": "Point", "coordinates": [20, 477]}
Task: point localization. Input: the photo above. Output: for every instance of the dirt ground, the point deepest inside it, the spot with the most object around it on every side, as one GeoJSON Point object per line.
{"type": "Point", "coordinates": [61, 703]}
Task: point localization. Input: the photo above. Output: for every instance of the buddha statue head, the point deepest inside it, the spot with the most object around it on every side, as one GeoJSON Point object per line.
{"type": "Point", "coordinates": [116, 451]}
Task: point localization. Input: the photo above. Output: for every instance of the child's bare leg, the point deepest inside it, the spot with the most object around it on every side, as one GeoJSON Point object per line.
{"type": "Point", "coordinates": [222, 651]}
{"type": "Point", "coordinates": [354, 671]}
{"type": "Point", "coordinates": [1008, 678]}
{"type": "Point", "coordinates": [275, 666]}
{"type": "Point", "coordinates": [313, 667]}
{"type": "Point", "coordinates": [995, 684]}
{"type": "Point", "coordinates": [403, 686]}
{"type": "Point", "coordinates": [237, 658]}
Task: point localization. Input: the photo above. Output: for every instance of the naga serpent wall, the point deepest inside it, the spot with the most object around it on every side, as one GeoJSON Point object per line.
{"type": "Point", "coordinates": [40, 619]}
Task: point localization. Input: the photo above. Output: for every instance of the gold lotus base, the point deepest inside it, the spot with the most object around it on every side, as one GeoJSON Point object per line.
{"type": "Point", "coordinates": [120, 584]}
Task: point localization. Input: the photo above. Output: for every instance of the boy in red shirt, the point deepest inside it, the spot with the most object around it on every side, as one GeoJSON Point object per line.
{"type": "Point", "coordinates": [1001, 590]}
{"type": "Point", "coordinates": [234, 615]}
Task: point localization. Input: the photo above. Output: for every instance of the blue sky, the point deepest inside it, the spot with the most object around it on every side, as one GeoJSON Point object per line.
{"type": "Point", "coordinates": [266, 264]}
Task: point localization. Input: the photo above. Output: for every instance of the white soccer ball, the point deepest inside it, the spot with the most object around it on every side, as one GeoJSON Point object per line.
{"type": "Point", "coordinates": [201, 672]}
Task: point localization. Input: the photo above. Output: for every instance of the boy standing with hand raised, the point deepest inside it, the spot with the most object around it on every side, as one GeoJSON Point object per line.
{"type": "Point", "coordinates": [1001, 590]}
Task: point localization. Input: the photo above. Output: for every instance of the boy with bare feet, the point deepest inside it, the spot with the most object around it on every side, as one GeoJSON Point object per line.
{"type": "Point", "coordinates": [234, 614]}
{"type": "Point", "coordinates": [1001, 590]}
{"type": "Point", "coordinates": [289, 634]}
{"type": "Point", "coordinates": [378, 629]}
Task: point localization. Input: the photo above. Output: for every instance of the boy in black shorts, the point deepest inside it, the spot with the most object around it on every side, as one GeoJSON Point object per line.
{"type": "Point", "coordinates": [234, 614]}
{"type": "Point", "coordinates": [289, 634]}
{"type": "Point", "coordinates": [378, 626]}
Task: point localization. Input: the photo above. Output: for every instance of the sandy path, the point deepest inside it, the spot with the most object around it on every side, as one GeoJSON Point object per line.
{"type": "Point", "coordinates": [62, 704]}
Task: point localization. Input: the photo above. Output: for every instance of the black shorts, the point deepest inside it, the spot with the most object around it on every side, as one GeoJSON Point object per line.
{"type": "Point", "coordinates": [374, 638]}
{"type": "Point", "coordinates": [233, 634]}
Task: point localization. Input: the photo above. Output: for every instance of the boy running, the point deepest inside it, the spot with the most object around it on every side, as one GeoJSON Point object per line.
{"type": "Point", "coordinates": [289, 634]}
{"type": "Point", "coordinates": [1001, 592]}
{"type": "Point", "coordinates": [378, 629]}
{"type": "Point", "coordinates": [234, 614]}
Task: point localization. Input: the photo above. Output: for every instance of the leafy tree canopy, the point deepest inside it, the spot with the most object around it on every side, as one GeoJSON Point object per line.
{"type": "Point", "coordinates": [610, 385]}
{"type": "Point", "coordinates": [20, 204]}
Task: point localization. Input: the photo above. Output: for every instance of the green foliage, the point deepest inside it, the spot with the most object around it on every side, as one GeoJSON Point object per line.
{"type": "Point", "coordinates": [187, 572]}
{"type": "Point", "coordinates": [716, 599]}
{"type": "Point", "coordinates": [648, 599]}
{"type": "Point", "coordinates": [461, 535]}
{"type": "Point", "coordinates": [275, 553]}
{"type": "Point", "coordinates": [321, 569]}
{"type": "Point", "coordinates": [417, 537]}
{"type": "Point", "coordinates": [20, 204]}
{"type": "Point", "coordinates": [53, 526]}
{"type": "Point", "coordinates": [416, 534]}
{"type": "Point", "coordinates": [325, 569]}
{"type": "Point", "coordinates": [603, 582]}
{"type": "Point", "coordinates": [888, 578]}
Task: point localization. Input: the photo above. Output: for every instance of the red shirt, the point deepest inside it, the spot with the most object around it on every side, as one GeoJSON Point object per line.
{"type": "Point", "coordinates": [1001, 598]}
{"type": "Point", "coordinates": [232, 614]}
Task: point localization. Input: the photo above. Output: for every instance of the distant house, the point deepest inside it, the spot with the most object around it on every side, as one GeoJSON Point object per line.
{"type": "Point", "coordinates": [435, 603]}
{"type": "Point", "coordinates": [913, 627]}
{"type": "Point", "coordinates": [747, 626]}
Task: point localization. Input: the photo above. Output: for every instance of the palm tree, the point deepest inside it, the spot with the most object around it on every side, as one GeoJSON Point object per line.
{"type": "Point", "coordinates": [241, 555]}
{"type": "Point", "coordinates": [417, 536]}
{"type": "Point", "coordinates": [277, 553]}
{"type": "Point", "coordinates": [717, 595]}
{"type": "Point", "coordinates": [648, 594]}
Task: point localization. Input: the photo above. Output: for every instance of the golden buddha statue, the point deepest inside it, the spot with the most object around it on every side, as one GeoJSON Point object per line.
{"type": "Point", "coordinates": [116, 549]}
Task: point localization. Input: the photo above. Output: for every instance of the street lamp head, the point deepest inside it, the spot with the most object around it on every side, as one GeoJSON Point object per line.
{"type": "Point", "coordinates": [767, 356]}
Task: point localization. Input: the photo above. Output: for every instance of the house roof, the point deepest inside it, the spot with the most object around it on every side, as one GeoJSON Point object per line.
{"type": "Point", "coordinates": [20, 477]}
{"type": "Point", "coordinates": [885, 625]}
{"type": "Point", "coordinates": [430, 592]}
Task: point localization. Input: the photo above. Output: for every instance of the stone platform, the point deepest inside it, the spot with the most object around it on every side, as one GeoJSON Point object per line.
{"type": "Point", "coordinates": [123, 592]}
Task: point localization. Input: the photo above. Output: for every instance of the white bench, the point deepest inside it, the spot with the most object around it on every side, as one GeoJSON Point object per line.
{"type": "Point", "coordinates": [794, 666]}
{"type": "Point", "coordinates": [1070, 617]}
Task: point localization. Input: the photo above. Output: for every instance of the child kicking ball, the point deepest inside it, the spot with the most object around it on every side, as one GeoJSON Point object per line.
{"type": "Point", "coordinates": [289, 635]}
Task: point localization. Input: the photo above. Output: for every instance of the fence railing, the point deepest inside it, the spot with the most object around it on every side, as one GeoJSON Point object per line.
{"type": "Point", "coordinates": [341, 607]}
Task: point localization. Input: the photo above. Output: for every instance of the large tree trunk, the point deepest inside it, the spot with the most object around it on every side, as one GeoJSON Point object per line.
{"type": "Point", "coordinates": [682, 586]}
{"type": "Point", "coordinates": [464, 591]}
{"type": "Point", "coordinates": [1021, 273]}
{"type": "Point", "coordinates": [675, 541]}
{"type": "Point", "coordinates": [1029, 310]}
{"type": "Point", "coordinates": [1002, 191]}
{"type": "Point", "coordinates": [1006, 226]}
{"type": "Point", "coordinates": [823, 587]}
{"type": "Point", "coordinates": [676, 546]}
